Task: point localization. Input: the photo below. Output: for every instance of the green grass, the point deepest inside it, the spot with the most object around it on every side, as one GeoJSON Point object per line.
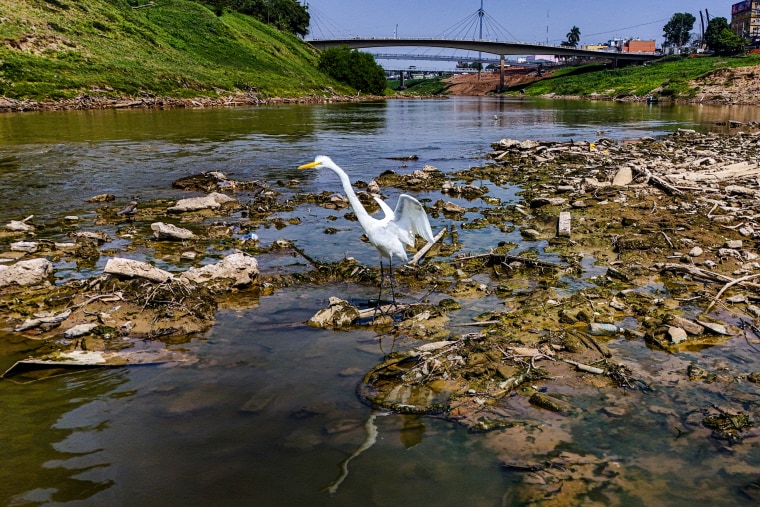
{"type": "Point", "coordinates": [421, 87]}
{"type": "Point", "coordinates": [668, 77]}
{"type": "Point", "coordinates": [62, 48]}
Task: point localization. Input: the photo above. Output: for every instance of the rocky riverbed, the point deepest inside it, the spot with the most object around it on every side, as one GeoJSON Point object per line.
{"type": "Point", "coordinates": [650, 242]}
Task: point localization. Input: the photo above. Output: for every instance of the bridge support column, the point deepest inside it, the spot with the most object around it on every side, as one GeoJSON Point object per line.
{"type": "Point", "coordinates": [501, 74]}
{"type": "Point", "coordinates": [401, 80]}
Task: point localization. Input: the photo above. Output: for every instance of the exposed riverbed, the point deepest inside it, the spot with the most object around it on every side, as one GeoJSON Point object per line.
{"type": "Point", "coordinates": [268, 411]}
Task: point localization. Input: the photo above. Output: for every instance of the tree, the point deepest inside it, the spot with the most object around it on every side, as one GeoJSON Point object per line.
{"type": "Point", "coordinates": [678, 29]}
{"type": "Point", "coordinates": [720, 38]}
{"type": "Point", "coordinates": [285, 15]}
{"type": "Point", "coordinates": [573, 37]}
{"type": "Point", "coordinates": [355, 68]}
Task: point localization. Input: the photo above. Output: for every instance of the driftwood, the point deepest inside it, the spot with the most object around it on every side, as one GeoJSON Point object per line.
{"type": "Point", "coordinates": [729, 284]}
{"type": "Point", "coordinates": [382, 310]}
{"type": "Point", "coordinates": [704, 274]}
{"type": "Point", "coordinates": [53, 319]}
{"type": "Point", "coordinates": [659, 182]}
{"type": "Point", "coordinates": [424, 250]}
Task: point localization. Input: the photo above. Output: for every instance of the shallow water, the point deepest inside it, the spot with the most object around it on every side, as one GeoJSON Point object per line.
{"type": "Point", "coordinates": [268, 412]}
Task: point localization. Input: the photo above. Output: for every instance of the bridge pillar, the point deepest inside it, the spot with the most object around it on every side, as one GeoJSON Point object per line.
{"type": "Point", "coordinates": [501, 74]}
{"type": "Point", "coordinates": [401, 80]}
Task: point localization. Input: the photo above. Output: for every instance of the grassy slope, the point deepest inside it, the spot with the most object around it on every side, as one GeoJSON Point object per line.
{"type": "Point", "coordinates": [668, 78]}
{"type": "Point", "coordinates": [62, 48]}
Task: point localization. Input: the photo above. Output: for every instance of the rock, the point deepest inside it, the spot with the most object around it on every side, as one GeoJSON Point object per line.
{"type": "Point", "coordinates": [696, 252]}
{"type": "Point", "coordinates": [623, 177]}
{"type": "Point", "coordinates": [539, 202]}
{"type": "Point", "coordinates": [685, 324]}
{"type": "Point", "coordinates": [171, 232]}
{"type": "Point", "coordinates": [548, 402]}
{"type": "Point", "coordinates": [602, 329]}
{"type": "Point", "coordinates": [214, 200]}
{"type": "Point", "coordinates": [131, 268]}
{"type": "Point", "coordinates": [240, 268]}
{"type": "Point", "coordinates": [25, 246]}
{"type": "Point", "coordinates": [18, 226]}
{"type": "Point", "coordinates": [563, 224]}
{"type": "Point", "coordinates": [23, 273]}
{"type": "Point", "coordinates": [733, 244]}
{"type": "Point", "coordinates": [339, 314]}
{"type": "Point", "coordinates": [715, 328]}
{"type": "Point", "coordinates": [450, 207]}
{"type": "Point", "coordinates": [677, 334]}
{"type": "Point", "coordinates": [79, 330]}
{"type": "Point", "coordinates": [530, 233]}
{"type": "Point", "coordinates": [101, 198]}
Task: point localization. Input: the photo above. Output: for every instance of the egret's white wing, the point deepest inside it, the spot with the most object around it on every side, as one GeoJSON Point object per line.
{"type": "Point", "coordinates": [410, 216]}
{"type": "Point", "coordinates": [384, 206]}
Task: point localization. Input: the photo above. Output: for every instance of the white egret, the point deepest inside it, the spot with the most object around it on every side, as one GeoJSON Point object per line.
{"type": "Point", "coordinates": [390, 235]}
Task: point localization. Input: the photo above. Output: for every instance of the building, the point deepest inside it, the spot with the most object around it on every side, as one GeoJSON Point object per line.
{"type": "Point", "coordinates": [745, 19]}
{"type": "Point", "coordinates": [638, 46]}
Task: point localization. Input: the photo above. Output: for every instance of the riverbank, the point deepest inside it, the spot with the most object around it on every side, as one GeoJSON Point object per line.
{"type": "Point", "coordinates": [722, 86]}
{"type": "Point", "coordinates": [90, 102]}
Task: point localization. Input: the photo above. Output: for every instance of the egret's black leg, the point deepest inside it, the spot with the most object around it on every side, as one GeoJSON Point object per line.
{"type": "Point", "coordinates": [390, 271]}
{"type": "Point", "coordinates": [382, 280]}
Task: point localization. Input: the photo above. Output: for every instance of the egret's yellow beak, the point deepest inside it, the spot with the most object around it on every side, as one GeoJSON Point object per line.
{"type": "Point", "coordinates": [310, 165]}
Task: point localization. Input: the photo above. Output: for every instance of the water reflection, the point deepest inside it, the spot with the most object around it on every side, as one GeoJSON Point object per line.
{"type": "Point", "coordinates": [50, 432]}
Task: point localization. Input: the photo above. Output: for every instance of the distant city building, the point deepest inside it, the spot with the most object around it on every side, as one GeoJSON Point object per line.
{"type": "Point", "coordinates": [638, 46]}
{"type": "Point", "coordinates": [541, 58]}
{"type": "Point", "coordinates": [624, 46]}
{"type": "Point", "coordinates": [745, 19]}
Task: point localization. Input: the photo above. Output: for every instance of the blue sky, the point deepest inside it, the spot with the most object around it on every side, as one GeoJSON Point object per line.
{"type": "Point", "coordinates": [515, 20]}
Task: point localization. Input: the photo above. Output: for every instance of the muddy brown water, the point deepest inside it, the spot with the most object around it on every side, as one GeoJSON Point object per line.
{"type": "Point", "coordinates": [268, 414]}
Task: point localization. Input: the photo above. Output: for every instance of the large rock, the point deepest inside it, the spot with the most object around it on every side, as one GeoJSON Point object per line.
{"type": "Point", "coordinates": [171, 232]}
{"type": "Point", "coordinates": [30, 272]}
{"type": "Point", "coordinates": [241, 269]}
{"type": "Point", "coordinates": [131, 268]}
{"type": "Point", "coordinates": [339, 314]}
{"type": "Point", "coordinates": [214, 200]}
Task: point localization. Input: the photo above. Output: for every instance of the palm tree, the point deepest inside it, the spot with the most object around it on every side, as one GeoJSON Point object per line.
{"type": "Point", "coordinates": [573, 36]}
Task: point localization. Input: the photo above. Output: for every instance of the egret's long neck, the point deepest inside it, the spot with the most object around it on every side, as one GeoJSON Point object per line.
{"type": "Point", "coordinates": [361, 213]}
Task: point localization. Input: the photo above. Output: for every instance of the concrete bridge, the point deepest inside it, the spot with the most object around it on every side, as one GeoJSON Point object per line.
{"type": "Point", "coordinates": [493, 47]}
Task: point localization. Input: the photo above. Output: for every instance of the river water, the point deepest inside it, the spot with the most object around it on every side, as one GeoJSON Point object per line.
{"type": "Point", "coordinates": [268, 414]}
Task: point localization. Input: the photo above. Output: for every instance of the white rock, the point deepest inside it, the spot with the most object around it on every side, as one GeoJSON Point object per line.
{"type": "Point", "coordinates": [132, 268]}
{"type": "Point", "coordinates": [29, 272]}
{"type": "Point", "coordinates": [696, 252]}
{"type": "Point", "coordinates": [25, 246]}
{"type": "Point", "coordinates": [240, 268]}
{"type": "Point", "coordinates": [676, 334]}
{"type": "Point", "coordinates": [214, 200]}
{"type": "Point", "coordinates": [79, 330]}
{"type": "Point", "coordinates": [169, 231]}
{"type": "Point", "coordinates": [623, 177]}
